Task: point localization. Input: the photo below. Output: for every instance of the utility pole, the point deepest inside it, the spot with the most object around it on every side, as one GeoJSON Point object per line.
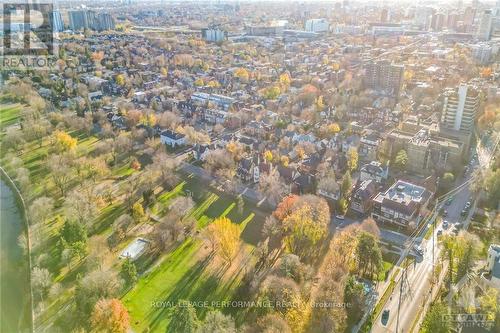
{"type": "Point", "coordinates": [400, 296]}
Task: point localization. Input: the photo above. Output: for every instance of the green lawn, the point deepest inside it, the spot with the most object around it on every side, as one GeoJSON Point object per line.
{"type": "Point", "coordinates": [9, 113]}
{"type": "Point", "coordinates": [183, 274]}
{"type": "Point", "coordinates": [385, 270]}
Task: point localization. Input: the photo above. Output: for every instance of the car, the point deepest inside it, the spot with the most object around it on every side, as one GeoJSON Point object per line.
{"type": "Point", "coordinates": [467, 204]}
{"type": "Point", "coordinates": [464, 212]}
{"type": "Point", "coordinates": [445, 224]}
{"type": "Point", "coordinates": [440, 232]}
{"type": "Point", "coordinates": [385, 316]}
{"type": "Point", "coordinates": [445, 213]}
{"type": "Point", "coordinates": [449, 201]}
{"type": "Point", "coordinates": [456, 230]}
{"type": "Point", "coordinates": [418, 250]}
{"type": "Point", "coordinates": [340, 217]}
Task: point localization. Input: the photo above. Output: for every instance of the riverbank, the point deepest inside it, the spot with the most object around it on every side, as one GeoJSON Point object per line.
{"type": "Point", "coordinates": [27, 314]}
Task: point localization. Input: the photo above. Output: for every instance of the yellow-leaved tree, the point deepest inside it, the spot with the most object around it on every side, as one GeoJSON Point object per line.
{"type": "Point", "coordinates": [64, 142]}
{"type": "Point", "coordinates": [225, 236]}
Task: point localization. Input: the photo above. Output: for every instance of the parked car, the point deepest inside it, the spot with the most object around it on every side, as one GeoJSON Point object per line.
{"type": "Point", "coordinates": [449, 201]}
{"type": "Point", "coordinates": [467, 205]}
{"type": "Point", "coordinates": [445, 213]}
{"type": "Point", "coordinates": [440, 232]}
{"type": "Point", "coordinates": [418, 249]}
{"type": "Point", "coordinates": [385, 316]}
{"type": "Point", "coordinates": [340, 217]}
{"type": "Point", "coordinates": [445, 224]}
{"type": "Point", "coordinates": [464, 212]}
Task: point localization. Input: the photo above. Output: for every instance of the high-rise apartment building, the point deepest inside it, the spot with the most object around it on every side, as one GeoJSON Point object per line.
{"type": "Point", "coordinates": [485, 27]}
{"type": "Point", "coordinates": [88, 19]}
{"type": "Point", "coordinates": [56, 21]}
{"type": "Point", "coordinates": [384, 76]}
{"type": "Point", "coordinates": [78, 20]}
{"type": "Point", "coordinates": [460, 107]}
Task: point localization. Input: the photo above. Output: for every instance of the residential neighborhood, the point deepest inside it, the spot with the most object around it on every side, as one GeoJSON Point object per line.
{"type": "Point", "coordinates": [251, 166]}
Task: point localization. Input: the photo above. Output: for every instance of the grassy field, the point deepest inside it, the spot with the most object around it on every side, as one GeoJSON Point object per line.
{"type": "Point", "coordinates": [190, 271]}
{"type": "Point", "coordinates": [187, 273]}
{"type": "Point", "coordinates": [9, 114]}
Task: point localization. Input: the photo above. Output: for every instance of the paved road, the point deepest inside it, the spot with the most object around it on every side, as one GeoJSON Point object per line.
{"type": "Point", "coordinates": [417, 286]}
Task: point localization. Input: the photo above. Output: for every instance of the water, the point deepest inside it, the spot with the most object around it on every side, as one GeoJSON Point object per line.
{"type": "Point", "coordinates": [14, 287]}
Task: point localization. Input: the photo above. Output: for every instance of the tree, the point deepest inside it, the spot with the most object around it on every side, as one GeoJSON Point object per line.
{"type": "Point", "coordinates": [226, 236]}
{"type": "Point", "coordinates": [181, 206]}
{"type": "Point", "coordinates": [82, 203]}
{"type": "Point", "coordinates": [73, 232]}
{"type": "Point", "coordinates": [166, 166]}
{"type": "Point", "coordinates": [138, 213]}
{"type": "Point", "coordinates": [354, 294]}
{"type": "Point", "coordinates": [40, 209]}
{"type": "Point", "coordinates": [60, 172]}
{"type": "Point", "coordinates": [369, 256]}
{"type": "Point", "coordinates": [128, 272]}
{"type": "Point", "coordinates": [492, 186]}
{"type": "Point", "coordinates": [286, 206]}
{"type": "Point", "coordinates": [215, 321]}
{"type": "Point", "coordinates": [120, 79]}
{"type": "Point", "coordinates": [447, 181]}
{"type": "Point", "coordinates": [346, 187]}
{"type": "Point", "coordinates": [64, 142]}
{"type": "Point", "coordinates": [242, 74]}
{"type": "Point", "coordinates": [270, 323]}
{"type": "Point", "coordinates": [273, 187]}
{"type": "Point", "coordinates": [41, 280]}
{"type": "Point", "coordinates": [352, 159]}
{"type": "Point", "coordinates": [93, 287]}
{"type": "Point", "coordinates": [109, 315]}
{"type": "Point", "coordinates": [183, 319]}
{"type": "Point", "coordinates": [280, 291]}
{"type": "Point", "coordinates": [401, 160]}
{"type": "Point", "coordinates": [433, 322]}
{"type": "Point", "coordinates": [303, 231]}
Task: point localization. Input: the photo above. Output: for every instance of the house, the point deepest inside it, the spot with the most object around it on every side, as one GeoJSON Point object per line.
{"type": "Point", "coordinates": [493, 264]}
{"type": "Point", "coordinates": [303, 183]}
{"type": "Point", "coordinates": [361, 200]}
{"type": "Point", "coordinates": [172, 139]}
{"type": "Point", "coordinates": [368, 147]}
{"type": "Point", "coordinates": [329, 189]}
{"type": "Point", "coordinates": [402, 204]}
{"type": "Point", "coordinates": [374, 171]}
{"type": "Point", "coordinates": [249, 169]}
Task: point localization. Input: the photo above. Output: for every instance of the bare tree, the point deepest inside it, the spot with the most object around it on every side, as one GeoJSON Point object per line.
{"type": "Point", "coordinates": [273, 187]}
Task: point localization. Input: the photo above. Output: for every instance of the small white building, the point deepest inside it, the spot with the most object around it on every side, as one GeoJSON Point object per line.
{"type": "Point", "coordinates": [493, 264]}
{"type": "Point", "coordinates": [172, 139]}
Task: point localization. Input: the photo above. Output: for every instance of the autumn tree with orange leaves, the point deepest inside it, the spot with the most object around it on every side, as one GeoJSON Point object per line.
{"type": "Point", "coordinates": [110, 316]}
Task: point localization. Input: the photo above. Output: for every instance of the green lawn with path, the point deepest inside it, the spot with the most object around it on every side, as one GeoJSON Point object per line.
{"type": "Point", "coordinates": [183, 274]}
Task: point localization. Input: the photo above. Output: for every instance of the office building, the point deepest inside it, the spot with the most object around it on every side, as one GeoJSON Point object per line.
{"type": "Point", "coordinates": [317, 25]}
{"type": "Point", "coordinates": [384, 77]}
{"type": "Point", "coordinates": [459, 108]}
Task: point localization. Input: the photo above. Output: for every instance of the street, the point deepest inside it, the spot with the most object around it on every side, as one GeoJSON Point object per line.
{"type": "Point", "coordinates": [415, 288]}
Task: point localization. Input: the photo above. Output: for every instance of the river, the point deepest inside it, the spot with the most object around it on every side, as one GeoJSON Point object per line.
{"type": "Point", "coordinates": [14, 285]}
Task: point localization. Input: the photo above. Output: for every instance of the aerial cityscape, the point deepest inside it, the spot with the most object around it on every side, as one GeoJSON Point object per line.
{"type": "Point", "coordinates": [250, 166]}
